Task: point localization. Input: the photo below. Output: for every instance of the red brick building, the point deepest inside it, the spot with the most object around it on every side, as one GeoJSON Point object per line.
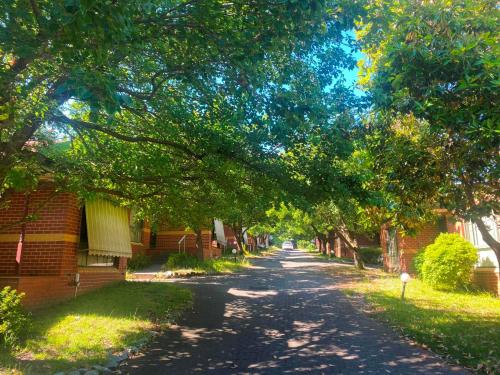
{"type": "Point", "coordinates": [399, 250]}
{"type": "Point", "coordinates": [66, 249]}
{"type": "Point", "coordinates": [69, 247]}
{"type": "Point", "coordinates": [169, 240]}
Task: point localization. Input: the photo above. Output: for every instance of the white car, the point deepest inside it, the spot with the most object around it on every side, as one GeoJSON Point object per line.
{"type": "Point", "coordinates": [287, 245]}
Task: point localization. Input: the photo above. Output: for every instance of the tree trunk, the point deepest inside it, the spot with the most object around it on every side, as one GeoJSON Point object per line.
{"type": "Point", "coordinates": [331, 242]}
{"type": "Point", "coordinates": [487, 237]}
{"type": "Point", "coordinates": [358, 262]}
{"type": "Point", "coordinates": [323, 242]}
{"type": "Point", "coordinates": [199, 244]}
{"type": "Point", "coordinates": [238, 235]}
{"type": "Point", "coordinates": [319, 244]}
{"type": "Point", "coordinates": [353, 245]}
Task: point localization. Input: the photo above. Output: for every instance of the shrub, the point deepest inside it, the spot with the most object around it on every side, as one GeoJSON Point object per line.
{"type": "Point", "coordinates": [306, 245]}
{"type": "Point", "coordinates": [138, 261]}
{"type": "Point", "coordinates": [14, 322]}
{"type": "Point", "coordinates": [448, 262]}
{"type": "Point", "coordinates": [182, 260]}
{"type": "Point", "coordinates": [418, 261]}
{"type": "Point", "coordinates": [224, 264]}
{"type": "Point", "coordinates": [370, 255]}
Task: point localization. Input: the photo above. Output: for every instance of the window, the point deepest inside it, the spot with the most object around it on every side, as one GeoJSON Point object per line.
{"type": "Point", "coordinates": [84, 259]}
{"type": "Point", "coordinates": [135, 228]}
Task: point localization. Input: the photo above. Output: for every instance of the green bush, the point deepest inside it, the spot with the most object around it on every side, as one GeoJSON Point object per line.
{"type": "Point", "coordinates": [448, 262]}
{"type": "Point", "coordinates": [418, 261]}
{"type": "Point", "coordinates": [210, 266]}
{"type": "Point", "coordinates": [181, 260]}
{"type": "Point", "coordinates": [14, 322]}
{"type": "Point", "coordinates": [306, 245]}
{"type": "Point", "coordinates": [138, 261]}
{"type": "Point", "coordinates": [370, 255]}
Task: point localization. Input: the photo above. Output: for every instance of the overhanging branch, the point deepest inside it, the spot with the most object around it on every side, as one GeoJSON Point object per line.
{"type": "Point", "coordinates": [127, 138]}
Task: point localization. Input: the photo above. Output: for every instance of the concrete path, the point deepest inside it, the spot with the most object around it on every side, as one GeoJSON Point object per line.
{"type": "Point", "coordinates": [284, 316]}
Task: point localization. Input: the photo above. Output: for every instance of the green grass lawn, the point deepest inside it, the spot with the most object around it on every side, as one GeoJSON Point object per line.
{"type": "Point", "coordinates": [462, 327]}
{"type": "Point", "coordinates": [85, 330]}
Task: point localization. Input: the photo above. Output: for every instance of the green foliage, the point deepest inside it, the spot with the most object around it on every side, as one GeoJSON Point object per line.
{"type": "Point", "coordinates": [138, 261]}
{"type": "Point", "coordinates": [14, 321]}
{"type": "Point", "coordinates": [448, 262]}
{"type": "Point", "coordinates": [432, 70]}
{"type": "Point", "coordinates": [370, 255]}
{"type": "Point", "coordinates": [306, 245]}
{"type": "Point", "coordinates": [166, 98]}
{"type": "Point", "coordinates": [182, 260]}
{"type": "Point", "coordinates": [418, 262]}
{"type": "Point", "coordinates": [210, 266]}
{"type": "Point", "coordinates": [286, 221]}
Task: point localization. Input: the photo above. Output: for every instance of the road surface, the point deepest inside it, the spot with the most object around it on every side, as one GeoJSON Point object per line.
{"type": "Point", "coordinates": [284, 316]}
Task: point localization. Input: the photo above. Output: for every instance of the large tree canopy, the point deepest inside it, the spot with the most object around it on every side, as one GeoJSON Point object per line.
{"type": "Point", "coordinates": [155, 95]}
{"type": "Point", "coordinates": [432, 70]}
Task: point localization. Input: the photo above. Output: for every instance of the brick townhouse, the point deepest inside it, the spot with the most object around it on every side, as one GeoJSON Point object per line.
{"type": "Point", "coordinates": [171, 239]}
{"type": "Point", "coordinates": [69, 247]}
{"type": "Point", "coordinates": [399, 250]}
{"type": "Point", "coordinates": [65, 249]}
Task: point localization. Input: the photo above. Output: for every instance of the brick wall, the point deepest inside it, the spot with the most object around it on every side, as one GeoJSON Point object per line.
{"type": "Point", "coordinates": [341, 249]}
{"type": "Point", "coordinates": [49, 240]}
{"type": "Point", "coordinates": [230, 237]}
{"type": "Point", "coordinates": [143, 246]}
{"type": "Point", "coordinates": [49, 258]}
{"type": "Point", "coordinates": [408, 245]}
{"type": "Point", "coordinates": [488, 279]}
{"type": "Point", "coordinates": [167, 242]}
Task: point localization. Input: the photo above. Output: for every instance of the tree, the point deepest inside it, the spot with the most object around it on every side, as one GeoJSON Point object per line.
{"type": "Point", "coordinates": [286, 221]}
{"type": "Point", "coordinates": [127, 81]}
{"type": "Point", "coordinates": [436, 63]}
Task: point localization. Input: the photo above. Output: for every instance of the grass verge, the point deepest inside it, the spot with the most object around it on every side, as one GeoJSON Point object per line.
{"type": "Point", "coordinates": [463, 327]}
{"type": "Point", "coordinates": [183, 264]}
{"type": "Point", "coordinates": [83, 331]}
{"type": "Point", "coordinates": [329, 257]}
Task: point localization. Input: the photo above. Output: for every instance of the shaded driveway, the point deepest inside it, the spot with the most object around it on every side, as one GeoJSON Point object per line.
{"type": "Point", "coordinates": [283, 316]}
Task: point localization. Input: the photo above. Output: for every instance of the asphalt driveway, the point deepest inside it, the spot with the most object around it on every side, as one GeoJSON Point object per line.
{"type": "Point", "coordinates": [284, 316]}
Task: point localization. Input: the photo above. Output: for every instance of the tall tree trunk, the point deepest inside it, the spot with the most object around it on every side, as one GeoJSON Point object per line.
{"type": "Point", "coordinates": [487, 237]}
{"type": "Point", "coordinates": [331, 242]}
{"type": "Point", "coordinates": [353, 245]}
{"type": "Point", "coordinates": [199, 244]}
{"type": "Point", "coordinates": [238, 235]}
{"type": "Point", "coordinates": [323, 244]}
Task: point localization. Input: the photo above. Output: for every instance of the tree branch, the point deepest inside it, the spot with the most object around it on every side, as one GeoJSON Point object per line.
{"type": "Point", "coordinates": [127, 138]}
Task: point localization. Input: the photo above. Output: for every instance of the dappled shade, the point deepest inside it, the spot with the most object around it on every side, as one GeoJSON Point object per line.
{"type": "Point", "coordinates": [277, 318]}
